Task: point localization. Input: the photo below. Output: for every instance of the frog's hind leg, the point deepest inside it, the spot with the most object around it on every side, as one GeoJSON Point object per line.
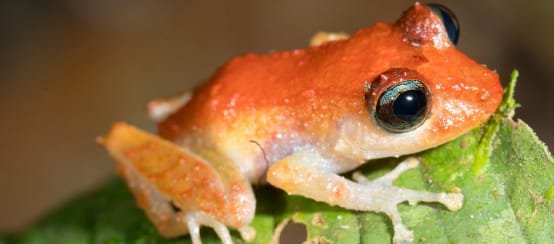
{"type": "Point", "coordinates": [157, 207]}
{"type": "Point", "coordinates": [160, 173]}
{"type": "Point", "coordinates": [169, 221]}
{"type": "Point", "coordinates": [159, 109]}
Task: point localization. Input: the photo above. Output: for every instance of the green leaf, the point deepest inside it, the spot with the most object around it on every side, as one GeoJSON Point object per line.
{"type": "Point", "coordinates": [505, 173]}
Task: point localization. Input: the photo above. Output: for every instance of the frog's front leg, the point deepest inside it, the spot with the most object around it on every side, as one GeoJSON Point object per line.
{"type": "Point", "coordinates": [323, 37]}
{"type": "Point", "coordinates": [307, 173]}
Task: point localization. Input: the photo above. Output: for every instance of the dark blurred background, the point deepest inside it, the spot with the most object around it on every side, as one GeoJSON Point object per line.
{"type": "Point", "coordinates": [69, 68]}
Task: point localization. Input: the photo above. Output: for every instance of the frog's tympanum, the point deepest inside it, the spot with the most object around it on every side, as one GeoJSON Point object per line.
{"type": "Point", "coordinates": [298, 119]}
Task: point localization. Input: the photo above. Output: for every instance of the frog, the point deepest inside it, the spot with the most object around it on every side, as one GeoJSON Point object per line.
{"type": "Point", "coordinates": [300, 119]}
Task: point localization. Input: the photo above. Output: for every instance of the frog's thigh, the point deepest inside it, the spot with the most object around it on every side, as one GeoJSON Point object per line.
{"type": "Point", "coordinates": [169, 222]}
{"type": "Point", "coordinates": [159, 109]}
{"type": "Point", "coordinates": [159, 172]}
{"type": "Point", "coordinates": [157, 207]}
{"type": "Point", "coordinates": [304, 173]}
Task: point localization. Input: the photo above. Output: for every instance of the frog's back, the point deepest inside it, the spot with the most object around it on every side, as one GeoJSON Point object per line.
{"type": "Point", "coordinates": [244, 86]}
{"type": "Point", "coordinates": [292, 86]}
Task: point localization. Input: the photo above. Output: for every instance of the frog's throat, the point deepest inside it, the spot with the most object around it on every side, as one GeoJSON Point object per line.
{"type": "Point", "coordinates": [360, 139]}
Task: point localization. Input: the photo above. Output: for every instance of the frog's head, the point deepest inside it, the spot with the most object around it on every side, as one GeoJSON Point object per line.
{"type": "Point", "coordinates": [434, 97]}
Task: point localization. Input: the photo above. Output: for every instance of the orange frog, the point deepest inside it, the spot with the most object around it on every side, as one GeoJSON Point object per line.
{"type": "Point", "coordinates": [298, 119]}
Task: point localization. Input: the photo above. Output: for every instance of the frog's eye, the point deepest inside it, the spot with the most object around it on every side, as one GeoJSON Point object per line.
{"type": "Point", "coordinates": [402, 106]}
{"type": "Point", "coordinates": [448, 19]}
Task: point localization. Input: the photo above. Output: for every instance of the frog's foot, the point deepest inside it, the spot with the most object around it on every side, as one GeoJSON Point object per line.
{"type": "Point", "coordinates": [248, 233]}
{"type": "Point", "coordinates": [452, 201]}
{"type": "Point", "coordinates": [388, 178]}
{"type": "Point", "coordinates": [195, 219]}
{"type": "Point", "coordinates": [302, 173]}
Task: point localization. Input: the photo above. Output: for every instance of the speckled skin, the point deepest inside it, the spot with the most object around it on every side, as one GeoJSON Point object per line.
{"type": "Point", "coordinates": [298, 118]}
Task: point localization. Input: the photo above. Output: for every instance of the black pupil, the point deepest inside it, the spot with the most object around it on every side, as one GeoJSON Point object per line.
{"type": "Point", "coordinates": [410, 105]}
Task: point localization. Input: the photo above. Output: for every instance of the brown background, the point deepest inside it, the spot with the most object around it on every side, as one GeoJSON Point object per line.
{"type": "Point", "coordinates": [69, 68]}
